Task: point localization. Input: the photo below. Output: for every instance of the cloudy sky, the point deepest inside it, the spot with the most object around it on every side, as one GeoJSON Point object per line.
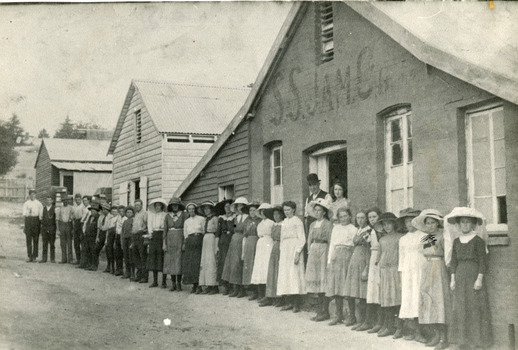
{"type": "Point", "coordinates": [78, 60]}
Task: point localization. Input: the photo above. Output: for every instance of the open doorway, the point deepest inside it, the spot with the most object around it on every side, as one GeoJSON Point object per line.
{"type": "Point", "coordinates": [330, 164]}
{"type": "Point", "coordinates": [338, 169]}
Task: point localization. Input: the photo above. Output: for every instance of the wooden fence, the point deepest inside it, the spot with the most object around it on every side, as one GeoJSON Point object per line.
{"type": "Point", "coordinates": [14, 189]}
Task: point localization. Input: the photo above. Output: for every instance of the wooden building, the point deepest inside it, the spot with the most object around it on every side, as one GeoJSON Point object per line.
{"type": "Point", "coordinates": [81, 166]}
{"type": "Point", "coordinates": [400, 104]}
{"type": "Point", "coordinates": [163, 130]}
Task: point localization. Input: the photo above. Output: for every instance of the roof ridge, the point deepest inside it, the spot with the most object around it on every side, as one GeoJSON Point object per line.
{"type": "Point", "coordinates": [164, 82]}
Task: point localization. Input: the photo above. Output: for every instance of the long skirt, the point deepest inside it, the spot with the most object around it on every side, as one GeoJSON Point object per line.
{"type": "Point", "coordinates": [191, 259]}
{"type": "Point", "coordinates": [233, 270]}
{"type": "Point", "coordinates": [223, 245]}
{"type": "Point", "coordinates": [434, 292]}
{"type": "Point", "coordinates": [262, 260]}
{"type": "Point", "coordinates": [249, 257]}
{"type": "Point", "coordinates": [410, 280]}
{"type": "Point", "coordinates": [471, 322]}
{"type": "Point", "coordinates": [316, 268]}
{"type": "Point", "coordinates": [173, 255]}
{"type": "Point", "coordinates": [373, 283]}
{"type": "Point", "coordinates": [273, 270]}
{"type": "Point", "coordinates": [337, 271]}
{"type": "Point", "coordinates": [155, 257]}
{"type": "Point", "coordinates": [390, 286]}
{"type": "Point", "coordinates": [291, 279]}
{"type": "Point", "coordinates": [355, 287]}
{"type": "Point", "coordinates": [208, 268]}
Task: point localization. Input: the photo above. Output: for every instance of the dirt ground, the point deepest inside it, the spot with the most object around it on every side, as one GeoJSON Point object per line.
{"type": "Point", "coordinates": [53, 306]}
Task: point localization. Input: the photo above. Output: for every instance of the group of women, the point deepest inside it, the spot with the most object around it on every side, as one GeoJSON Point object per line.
{"type": "Point", "coordinates": [392, 271]}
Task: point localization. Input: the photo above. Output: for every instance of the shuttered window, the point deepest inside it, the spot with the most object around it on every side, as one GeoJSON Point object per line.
{"type": "Point", "coordinates": [326, 31]}
{"type": "Point", "coordinates": [138, 126]}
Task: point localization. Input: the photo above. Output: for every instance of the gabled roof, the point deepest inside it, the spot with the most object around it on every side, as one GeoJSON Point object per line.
{"type": "Point", "coordinates": [182, 108]}
{"type": "Point", "coordinates": [466, 40]}
{"type": "Point", "coordinates": [72, 150]}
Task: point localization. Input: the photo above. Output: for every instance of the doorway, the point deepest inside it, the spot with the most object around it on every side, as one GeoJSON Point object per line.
{"type": "Point", "coordinates": [330, 164]}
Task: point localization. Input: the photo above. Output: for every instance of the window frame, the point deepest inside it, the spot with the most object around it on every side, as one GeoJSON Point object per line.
{"type": "Point", "coordinates": [276, 188]}
{"type": "Point", "coordinates": [223, 192]}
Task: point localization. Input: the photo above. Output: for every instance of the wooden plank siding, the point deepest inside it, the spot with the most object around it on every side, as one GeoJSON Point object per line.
{"type": "Point", "coordinates": [179, 158]}
{"type": "Point", "coordinates": [229, 166]}
{"type": "Point", "coordinates": [43, 173]}
{"type": "Point", "coordinates": [131, 160]}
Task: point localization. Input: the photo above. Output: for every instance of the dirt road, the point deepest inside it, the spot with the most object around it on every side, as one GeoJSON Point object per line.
{"type": "Point", "coordinates": [53, 306]}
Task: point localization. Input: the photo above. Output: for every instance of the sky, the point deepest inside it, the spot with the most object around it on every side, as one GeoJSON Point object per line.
{"type": "Point", "coordinates": [78, 60]}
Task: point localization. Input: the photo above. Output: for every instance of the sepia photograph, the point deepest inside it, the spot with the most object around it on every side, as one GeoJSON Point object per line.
{"type": "Point", "coordinates": [259, 175]}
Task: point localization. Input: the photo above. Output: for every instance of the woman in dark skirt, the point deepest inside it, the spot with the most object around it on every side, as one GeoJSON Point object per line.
{"type": "Point", "coordinates": [193, 240]}
{"type": "Point", "coordinates": [155, 225]}
{"type": "Point", "coordinates": [250, 239]}
{"type": "Point", "coordinates": [225, 232]}
{"type": "Point", "coordinates": [233, 270]}
{"type": "Point", "coordinates": [277, 215]}
{"type": "Point", "coordinates": [173, 242]}
{"type": "Point", "coordinates": [471, 323]}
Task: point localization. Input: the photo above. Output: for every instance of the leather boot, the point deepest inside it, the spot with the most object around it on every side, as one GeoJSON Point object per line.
{"type": "Point", "coordinates": [179, 283]}
{"type": "Point", "coordinates": [235, 291]}
{"type": "Point", "coordinates": [399, 329]}
{"type": "Point", "coordinates": [361, 313]}
{"type": "Point", "coordinates": [255, 294]}
{"type": "Point", "coordinates": [339, 318]}
{"type": "Point", "coordinates": [324, 311]}
{"type": "Point", "coordinates": [389, 322]}
{"type": "Point", "coordinates": [351, 320]}
{"type": "Point", "coordinates": [369, 317]}
{"type": "Point", "coordinates": [435, 339]}
{"type": "Point", "coordinates": [380, 320]}
{"type": "Point", "coordinates": [227, 291]}
{"type": "Point", "coordinates": [242, 292]}
{"type": "Point", "coordinates": [266, 302]}
{"type": "Point", "coordinates": [213, 290]}
{"type": "Point", "coordinates": [319, 307]}
{"type": "Point", "coordinates": [297, 303]}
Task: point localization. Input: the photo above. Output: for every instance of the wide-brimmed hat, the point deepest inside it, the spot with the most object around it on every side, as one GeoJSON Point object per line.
{"type": "Point", "coordinates": [32, 190]}
{"type": "Point", "coordinates": [95, 205]}
{"type": "Point", "coordinates": [103, 205]}
{"type": "Point", "coordinates": [459, 212]}
{"type": "Point", "coordinates": [220, 206]}
{"type": "Point", "coordinates": [322, 203]}
{"type": "Point", "coordinates": [191, 203]}
{"type": "Point", "coordinates": [239, 200]}
{"type": "Point", "coordinates": [418, 222]}
{"type": "Point", "coordinates": [407, 213]}
{"type": "Point", "coordinates": [264, 206]}
{"type": "Point", "coordinates": [254, 204]}
{"type": "Point", "coordinates": [151, 205]}
{"type": "Point", "coordinates": [175, 201]}
{"type": "Point", "coordinates": [378, 226]}
{"type": "Point", "coordinates": [269, 212]}
{"type": "Point", "coordinates": [313, 179]}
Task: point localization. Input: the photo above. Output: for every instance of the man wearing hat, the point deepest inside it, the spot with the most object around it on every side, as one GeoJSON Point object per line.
{"type": "Point", "coordinates": [33, 213]}
{"type": "Point", "coordinates": [102, 226]}
{"type": "Point", "coordinates": [314, 193]}
{"type": "Point", "coordinates": [48, 230]}
{"type": "Point", "coordinates": [139, 229]}
{"type": "Point", "coordinates": [64, 217]}
{"type": "Point", "coordinates": [79, 211]}
{"type": "Point", "coordinates": [88, 257]}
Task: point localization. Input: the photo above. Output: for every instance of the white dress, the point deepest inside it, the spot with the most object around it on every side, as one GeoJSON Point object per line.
{"type": "Point", "coordinates": [291, 279]}
{"type": "Point", "coordinates": [262, 252]}
{"type": "Point", "coordinates": [373, 281]}
{"type": "Point", "coordinates": [410, 261]}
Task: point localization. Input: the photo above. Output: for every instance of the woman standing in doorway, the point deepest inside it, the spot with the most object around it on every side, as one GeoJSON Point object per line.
{"type": "Point", "coordinates": [339, 201]}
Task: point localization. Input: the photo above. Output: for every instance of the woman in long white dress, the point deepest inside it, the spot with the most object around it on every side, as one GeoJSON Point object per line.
{"type": "Point", "coordinates": [208, 266]}
{"type": "Point", "coordinates": [262, 252]}
{"type": "Point", "coordinates": [291, 280]}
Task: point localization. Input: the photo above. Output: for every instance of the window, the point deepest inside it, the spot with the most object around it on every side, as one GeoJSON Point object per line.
{"type": "Point", "coordinates": [399, 159]}
{"type": "Point", "coordinates": [326, 31]}
{"type": "Point", "coordinates": [276, 175]}
{"type": "Point", "coordinates": [486, 165]}
{"type": "Point", "coordinates": [138, 126]}
{"type": "Point", "coordinates": [226, 192]}
{"type": "Point", "coordinates": [68, 182]}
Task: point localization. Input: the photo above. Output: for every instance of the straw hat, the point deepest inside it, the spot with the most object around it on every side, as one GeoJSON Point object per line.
{"type": "Point", "coordinates": [175, 201]}
{"type": "Point", "coordinates": [269, 212]}
{"type": "Point", "coordinates": [208, 204]}
{"type": "Point", "coordinates": [246, 208]}
{"type": "Point", "coordinates": [460, 212]}
{"type": "Point", "coordinates": [264, 206]}
{"type": "Point", "coordinates": [219, 208]}
{"type": "Point", "coordinates": [239, 200]}
{"type": "Point", "coordinates": [378, 226]}
{"type": "Point", "coordinates": [418, 222]}
{"type": "Point", "coordinates": [151, 205]}
{"type": "Point", "coordinates": [191, 203]}
{"type": "Point", "coordinates": [321, 203]}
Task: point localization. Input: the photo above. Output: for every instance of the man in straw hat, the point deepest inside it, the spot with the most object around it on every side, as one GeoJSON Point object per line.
{"type": "Point", "coordinates": [33, 213]}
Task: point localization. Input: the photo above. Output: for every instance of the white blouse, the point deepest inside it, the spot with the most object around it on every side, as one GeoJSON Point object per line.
{"type": "Point", "coordinates": [341, 235]}
{"type": "Point", "coordinates": [195, 224]}
{"type": "Point", "coordinates": [264, 229]}
{"type": "Point", "coordinates": [155, 221]}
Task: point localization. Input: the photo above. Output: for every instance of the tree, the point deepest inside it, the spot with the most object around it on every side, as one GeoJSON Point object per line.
{"type": "Point", "coordinates": [8, 158]}
{"type": "Point", "coordinates": [43, 134]}
{"type": "Point", "coordinates": [16, 132]}
{"type": "Point", "coordinates": [66, 130]}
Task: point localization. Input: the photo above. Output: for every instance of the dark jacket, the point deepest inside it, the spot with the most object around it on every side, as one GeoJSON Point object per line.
{"type": "Point", "coordinates": [48, 221]}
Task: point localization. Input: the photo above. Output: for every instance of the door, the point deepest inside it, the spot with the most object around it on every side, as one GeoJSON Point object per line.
{"type": "Point", "coordinates": [330, 164]}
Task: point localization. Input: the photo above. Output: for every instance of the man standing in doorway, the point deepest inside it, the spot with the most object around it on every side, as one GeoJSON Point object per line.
{"type": "Point", "coordinates": [33, 213]}
{"type": "Point", "coordinates": [314, 193]}
{"type": "Point", "coordinates": [48, 230]}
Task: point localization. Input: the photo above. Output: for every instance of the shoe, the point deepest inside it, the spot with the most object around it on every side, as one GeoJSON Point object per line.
{"type": "Point", "coordinates": [410, 336]}
{"type": "Point", "coordinates": [213, 290]}
{"type": "Point", "coordinates": [374, 329]}
{"type": "Point", "coordinates": [163, 285]}
{"type": "Point", "coordinates": [179, 286]}
{"type": "Point", "coordinates": [314, 318]}
{"type": "Point", "coordinates": [267, 302]}
{"type": "Point", "coordinates": [350, 321]}
{"type": "Point", "coordinates": [107, 270]}
{"type": "Point", "coordinates": [242, 293]}
{"type": "Point", "coordinates": [125, 277]}
{"type": "Point", "coordinates": [442, 345]}
{"type": "Point", "coordinates": [323, 317]}
{"type": "Point", "coordinates": [434, 341]}
{"type": "Point", "coordinates": [133, 279]}
{"type": "Point", "coordinates": [226, 291]}
{"type": "Point", "coordinates": [75, 263]}
{"type": "Point", "coordinates": [253, 297]}
{"type": "Point", "coordinates": [335, 322]}
{"type": "Point", "coordinates": [198, 290]}
{"type": "Point", "coordinates": [91, 268]}
{"type": "Point", "coordinates": [398, 334]}
{"type": "Point", "coordinates": [287, 307]}
{"type": "Point", "coordinates": [143, 280]}
{"type": "Point", "coordinates": [153, 285]}
{"type": "Point", "coordinates": [363, 327]}
{"type": "Point", "coordinates": [173, 287]}
{"type": "Point", "coordinates": [386, 332]}
{"type": "Point", "coordinates": [118, 273]}
{"type": "Point", "coordinates": [206, 291]}
{"type": "Point", "coordinates": [262, 300]}
{"type": "Point", "coordinates": [296, 309]}
{"type": "Point", "coordinates": [53, 261]}
{"type": "Point", "coordinates": [235, 293]}
{"type": "Point", "coordinates": [420, 339]}
{"type": "Point", "coordinates": [193, 289]}
{"type": "Point", "coordinates": [42, 261]}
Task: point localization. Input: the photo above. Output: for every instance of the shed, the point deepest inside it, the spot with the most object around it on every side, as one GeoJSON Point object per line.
{"type": "Point", "coordinates": [79, 165]}
{"type": "Point", "coordinates": [163, 130]}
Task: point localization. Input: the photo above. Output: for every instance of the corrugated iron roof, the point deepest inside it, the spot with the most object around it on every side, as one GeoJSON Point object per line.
{"type": "Point", "coordinates": [191, 109]}
{"type": "Point", "coordinates": [77, 150]}
{"type": "Point", "coordinates": [78, 166]}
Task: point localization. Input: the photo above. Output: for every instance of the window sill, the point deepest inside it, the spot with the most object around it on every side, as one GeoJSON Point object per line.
{"type": "Point", "coordinates": [498, 239]}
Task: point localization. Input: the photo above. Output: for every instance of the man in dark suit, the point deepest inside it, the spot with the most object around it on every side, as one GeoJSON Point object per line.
{"type": "Point", "coordinates": [48, 230]}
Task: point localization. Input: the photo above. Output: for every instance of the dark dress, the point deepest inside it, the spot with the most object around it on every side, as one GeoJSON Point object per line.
{"type": "Point", "coordinates": [250, 238]}
{"type": "Point", "coordinates": [173, 238]}
{"type": "Point", "coordinates": [273, 266]}
{"type": "Point", "coordinates": [233, 269]}
{"type": "Point", "coordinates": [471, 323]}
{"type": "Point", "coordinates": [225, 232]}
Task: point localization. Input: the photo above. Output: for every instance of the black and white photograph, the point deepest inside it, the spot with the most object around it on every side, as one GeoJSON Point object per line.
{"type": "Point", "coordinates": [259, 175]}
